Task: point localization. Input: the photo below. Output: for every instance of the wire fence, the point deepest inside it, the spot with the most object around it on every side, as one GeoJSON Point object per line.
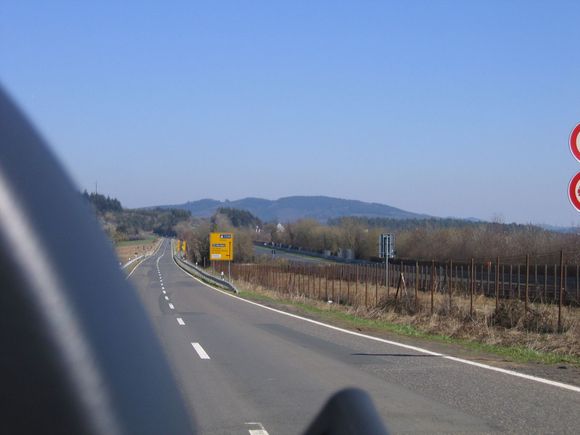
{"type": "Point", "coordinates": [530, 282]}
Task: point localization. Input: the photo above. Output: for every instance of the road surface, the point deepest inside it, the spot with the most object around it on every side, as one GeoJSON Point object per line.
{"type": "Point", "coordinates": [295, 258]}
{"type": "Point", "coordinates": [245, 369]}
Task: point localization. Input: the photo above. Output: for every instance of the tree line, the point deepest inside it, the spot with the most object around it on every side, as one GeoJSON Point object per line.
{"type": "Point", "coordinates": [131, 224]}
{"type": "Point", "coordinates": [240, 222]}
{"type": "Point", "coordinates": [429, 239]}
{"type": "Point", "coordinates": [423, 239]}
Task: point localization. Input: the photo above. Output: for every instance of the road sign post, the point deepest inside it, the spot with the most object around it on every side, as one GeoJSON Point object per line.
{"type": "Point", "coordinates": [221, 248]}
{"type": "Point", "coordinates": [574, 191]}
{"type": "Point", "coordinates": [574, 186]}
{"type": "Point", "coordinates": [386, 251]}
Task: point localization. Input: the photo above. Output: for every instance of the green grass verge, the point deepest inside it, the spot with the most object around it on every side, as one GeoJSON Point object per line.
{"type": "Point", "coordinates": [136, 242]}
{"type": "Point", "coordinates": [520, 354]}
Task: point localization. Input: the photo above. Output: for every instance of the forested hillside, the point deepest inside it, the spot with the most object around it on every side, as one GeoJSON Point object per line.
{"type": "Point", "coordinates": [131, 224]}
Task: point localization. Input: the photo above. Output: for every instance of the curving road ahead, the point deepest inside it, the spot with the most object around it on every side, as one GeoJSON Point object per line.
{"type": "Point", "coordinates": [264, 251]}
{"type": "Point", "coordinates": [243, 368]}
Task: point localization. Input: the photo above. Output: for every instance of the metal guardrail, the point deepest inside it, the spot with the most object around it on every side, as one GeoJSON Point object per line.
{"type": "Point", "coordinates": [204, 276]}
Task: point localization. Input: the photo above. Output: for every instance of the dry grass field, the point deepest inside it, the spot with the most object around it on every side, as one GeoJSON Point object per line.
{"type": "Point", "coordinates": [129, 250]}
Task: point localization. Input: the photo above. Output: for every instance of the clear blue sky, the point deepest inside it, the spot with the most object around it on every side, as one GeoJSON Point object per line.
{"type": "Point", "coordinates": [451, 108]}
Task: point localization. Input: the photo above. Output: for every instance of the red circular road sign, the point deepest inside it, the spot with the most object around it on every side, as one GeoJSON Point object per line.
{"type": "Point", "coordinates": [574, 191]}
{"type": "Point", "coordinates": [575, 142]}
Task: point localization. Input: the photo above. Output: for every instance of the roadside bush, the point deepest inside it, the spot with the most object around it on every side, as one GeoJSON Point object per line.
{"type": "Point", "coordinates": [543, 319]}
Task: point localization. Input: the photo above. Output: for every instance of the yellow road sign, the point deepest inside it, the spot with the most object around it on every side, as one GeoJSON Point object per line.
{"type": "Point", "coordinates": [221, 246]}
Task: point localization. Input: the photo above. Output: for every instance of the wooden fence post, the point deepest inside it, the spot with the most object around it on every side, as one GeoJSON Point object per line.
{"type": "Point", "coordinates": [488, 278]}
{"type": "Point", "coordinates": [326, 283]}
{"type": "Point", "coordinates": [471, 288]}
{"type": "Point", "coordinates": [497, 284]}
{"type": "Point", "coordinates": [356, 282]}
{"type": "Point", "coordinates": [432, 283]}
{"type": "Point", "coordinates": [527, 283]}
{"type": "Point", "coordinates": [416, 285]}
{"type": "Point", "coordinates": [376, 285]}
{"type": "Point", "coordinates": [561, 290]}
{"type": "Point", "coordinates": [365, 268]}
{"type": "Point", "coordinates": [333, 275]}
{"type": "Point", "coordinates": [349, 268]}
{"type": "Point", "coordinates": [555, 282]}
{"type": "Point", "coordinates": [511, 295]}
{"type": "Point", "coordinates": [450, 286]}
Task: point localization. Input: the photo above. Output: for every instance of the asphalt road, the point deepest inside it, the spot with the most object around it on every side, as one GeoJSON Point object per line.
{"type": "Point", "coordinates": [296, 258]}
{"type": "Point", "coordinates": [243, 368]}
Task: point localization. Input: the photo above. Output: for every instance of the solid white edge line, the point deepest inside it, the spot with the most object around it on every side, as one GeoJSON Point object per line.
{"type": "Point", "coordinates": [135, 268]}
{"type": "Point", "coordinates": [172, 306]}
{"type": "Point", "coordinates": [395, 343]}
{"type": "Point", "coordinates": [202, 353]}
{"type": "Point", "coordinates": [146, 258]}
{"type": "Point", "coordinates": [180, 321]}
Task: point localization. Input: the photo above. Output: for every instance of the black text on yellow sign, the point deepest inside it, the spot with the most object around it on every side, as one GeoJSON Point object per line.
{"type": "Point", "coordinates": [221, 246]}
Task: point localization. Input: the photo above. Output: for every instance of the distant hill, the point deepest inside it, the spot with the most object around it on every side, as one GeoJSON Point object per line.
{"type": "Point", "coordinates": [321, 208]}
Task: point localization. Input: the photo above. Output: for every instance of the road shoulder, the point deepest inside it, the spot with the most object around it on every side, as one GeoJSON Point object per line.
{"type": "Point", "coordinates": [562, 372]}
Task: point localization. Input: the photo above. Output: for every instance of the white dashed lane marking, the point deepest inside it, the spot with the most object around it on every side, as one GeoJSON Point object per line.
{"type": "Point", "coordinates": [260, 431]}
{"type": "Point", "coordinates": [180, 321]}
{"type": "Point", "coordinates": [172, 306]}
{"type": "Point", "coordinates": [202, 353]}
